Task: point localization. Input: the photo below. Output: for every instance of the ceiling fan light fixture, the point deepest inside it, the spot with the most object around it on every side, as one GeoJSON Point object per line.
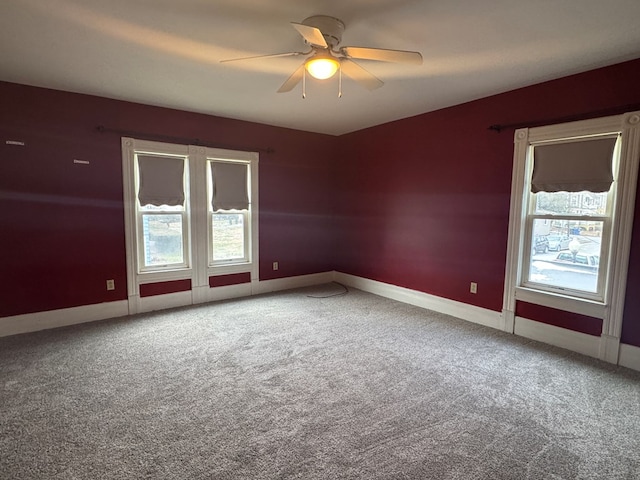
{"type": "Point", "coordinates": [322, 66]}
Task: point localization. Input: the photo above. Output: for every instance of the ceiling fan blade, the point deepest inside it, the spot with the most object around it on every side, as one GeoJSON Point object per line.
{"type": "Point", "coordinates": [354, 71]}
{"type": "Point", "coordinates": [312, 35]}
{"type": "Point", "coordinates": [273, 55]}
{"type": "Point", "coordinates": [382, 55]}
{"type": "Point", "coordinates": [293, 80]}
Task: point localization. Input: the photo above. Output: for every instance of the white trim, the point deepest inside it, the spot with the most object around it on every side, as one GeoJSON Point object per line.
{"type": "Point", "coordinates": [629, 356]}
{"type": "Point", "coordinates": [621, 236]}
{"type": "Point", "coordinates": [610, 310]}
{"type": "Point", "coordinates": [609, 348]}
{"type": "Point", "coordinates": [161, 302]}
{"type": "Point", "coordinates": [255, 212]}
{"type": "Point", "coordinates": [197, 239]}
{"type": "Point", "coordinates": [471, 313]}
{"type": "Point", "coordinates": [559, 337]}
{"type": "Point", "coordinates": [589, 308]}
{"type": "Point", "coordinates": [199, 222]}
{"type": "Point", "coordinates": [230, 291]}
{"type": "Point", "coordinates": [267, 286]}
{"type": "Point", "coordinates": [515, 239]}
{"type": "Point", "coordinates": [200, 294]}
{"type": "Point", "coordinates": [509, 319]}
{"type": "Point", "coordinates": [128, 181]}
{"type": "Point", "coordinates": [33, 322]}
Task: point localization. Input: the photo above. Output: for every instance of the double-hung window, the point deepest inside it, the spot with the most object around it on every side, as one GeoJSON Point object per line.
{"type": "Point", "coordinates": [162, 211]}
{"type": "Point", "coordinates": [572, 204]}
{"type": "Point", "coordinates": [191, 213]}
{"type": "Point", "coordinates": [229, 211]}
{"type": "Point", "coordinates": [569, 198]}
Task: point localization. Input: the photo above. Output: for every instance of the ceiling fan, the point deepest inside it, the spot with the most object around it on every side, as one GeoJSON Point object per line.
{"type": "Point", "coordinates": [324, 34]}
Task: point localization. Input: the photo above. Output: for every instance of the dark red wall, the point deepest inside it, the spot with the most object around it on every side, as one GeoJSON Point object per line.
{"type": "Point", "coordinates": [62, 224]}
{"type": "Point", "coordinates": [421, 203]}
{"type": "Point", "coordinates": [424, 202]}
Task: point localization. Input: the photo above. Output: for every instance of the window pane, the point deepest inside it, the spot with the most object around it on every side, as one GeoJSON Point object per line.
{"type": "Point", "coordinates": [228, 236]}
{"type": "Point", "coordinates": [571, 203]}
{"type": "Point", "coordinates": [565, 254]}
{"type": "Point", "coordinates": [162, 236]}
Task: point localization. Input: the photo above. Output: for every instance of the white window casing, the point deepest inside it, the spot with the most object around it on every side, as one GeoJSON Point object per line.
{"type": "Point", "coordinates": [607, 302]}
{"type": "Point", "coordinates": [194, 209]}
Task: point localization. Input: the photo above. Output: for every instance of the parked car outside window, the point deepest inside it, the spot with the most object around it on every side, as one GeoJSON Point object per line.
{"type": "Point", "coordinates": [558, 242]}
{"type": "Point", "coordinates": [541, 244]}
{"type": "Point", "coordinates": [579, 259]}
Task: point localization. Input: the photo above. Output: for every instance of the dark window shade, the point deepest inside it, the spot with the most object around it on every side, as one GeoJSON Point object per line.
{"type": "Point", "coordinates": [573, 167]}
{"type": "Point", "coordinates": [230, 189]}
{"type": "Point", "coordinates": [161, 180]}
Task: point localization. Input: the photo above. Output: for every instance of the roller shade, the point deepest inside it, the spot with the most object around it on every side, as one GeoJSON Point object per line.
{"type": "Point", "coordinates": [161, 180]}
{"type": "Point", "coordinates": [573, 167]}
{"type": "Point", "coordinates": [230, 191]}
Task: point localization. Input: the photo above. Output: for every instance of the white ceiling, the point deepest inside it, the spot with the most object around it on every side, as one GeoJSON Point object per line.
{"type": "Point", "coordinates": [168, 52]}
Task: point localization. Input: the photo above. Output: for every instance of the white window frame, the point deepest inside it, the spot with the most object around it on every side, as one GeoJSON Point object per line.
{"type": "Point", "coordinates": [607, 220]}
{"type": "Point", "coordinates": [246, 214]}
{"type": "Point", "coordinates": [184, 213]}
{"type": "Point", "coordinates": [610, 306]}
{"type": "Point", "coordinates": [197, 267]}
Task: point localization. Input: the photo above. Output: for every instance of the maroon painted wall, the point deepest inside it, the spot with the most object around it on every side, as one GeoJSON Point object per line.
{"type": "Point", "coordinates": [423, 202]}
{"type": "Point", "coordinates": [62, 224]}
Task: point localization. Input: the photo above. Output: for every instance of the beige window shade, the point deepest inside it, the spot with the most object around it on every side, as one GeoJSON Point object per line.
{"type": "Point", "coordinates": [230, 189]}
{"type": "Point", "coordinates": [161, 180]}
{"type": "Point", "coordinates": [573, 167]}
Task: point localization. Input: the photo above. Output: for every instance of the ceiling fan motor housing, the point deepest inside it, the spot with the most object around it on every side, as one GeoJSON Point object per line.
{"type": "Point", "coordinates": [331, 28]}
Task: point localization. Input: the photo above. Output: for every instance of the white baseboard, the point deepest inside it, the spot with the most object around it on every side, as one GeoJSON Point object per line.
{"type": "Point", "coordinates": [32, 322]}
{"type": "Point", "coordinates": [161, 302]}
{"type": "Point", "coordinates": [629, 356]}
{"type": "Point", "coordinates": [557, 336]}
{"type": "Point", "coordinates": [230, 291]}
{"type": "Point", "coordinates": [266, 286]}
{"type": "Point", "coordinates": [609, 348]}
{"type": "Point", "coordinates": [471, 313]}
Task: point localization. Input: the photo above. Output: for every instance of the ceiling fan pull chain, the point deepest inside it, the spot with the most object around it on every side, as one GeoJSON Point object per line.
{"type": "Point", "coordinates": [340, 83]}
{"type": "Point", "coordinates": [304, 83]}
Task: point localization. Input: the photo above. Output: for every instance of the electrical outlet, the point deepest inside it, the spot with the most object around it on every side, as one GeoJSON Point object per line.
{"type": "Point", "coordinates": [111, 285]}
{"type": "Point", "coordinates": [474, 287]}
{"type": "Point", "coordinates": [275, 265]}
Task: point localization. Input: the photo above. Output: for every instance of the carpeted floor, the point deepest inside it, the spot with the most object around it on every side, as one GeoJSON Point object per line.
{"type": "Point", "coordinates": [285, 386]}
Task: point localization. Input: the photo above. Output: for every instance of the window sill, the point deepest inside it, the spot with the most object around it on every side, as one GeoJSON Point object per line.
{"type": "Point", "coordinates": [165, 275]}
{"type": "Point", "coordinates": [230, 268]}
{"type": "Point", "coordinates": [581, 306]}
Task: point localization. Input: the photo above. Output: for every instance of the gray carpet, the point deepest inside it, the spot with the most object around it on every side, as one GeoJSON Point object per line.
{"type": "Point", "coordinates": [285, 386]}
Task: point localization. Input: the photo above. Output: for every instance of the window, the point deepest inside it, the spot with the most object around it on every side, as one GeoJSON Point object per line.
{"type": "Point", "coordinates": [572, 200]}
{"type": "Point", "coordinates": [229, 212]}
{"type": "Point", "coordinates": [190, 213]}
{"type": "Point", "coordinates": [161, 204]}
{"type": "Point", "coordinates": [567, 232]}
